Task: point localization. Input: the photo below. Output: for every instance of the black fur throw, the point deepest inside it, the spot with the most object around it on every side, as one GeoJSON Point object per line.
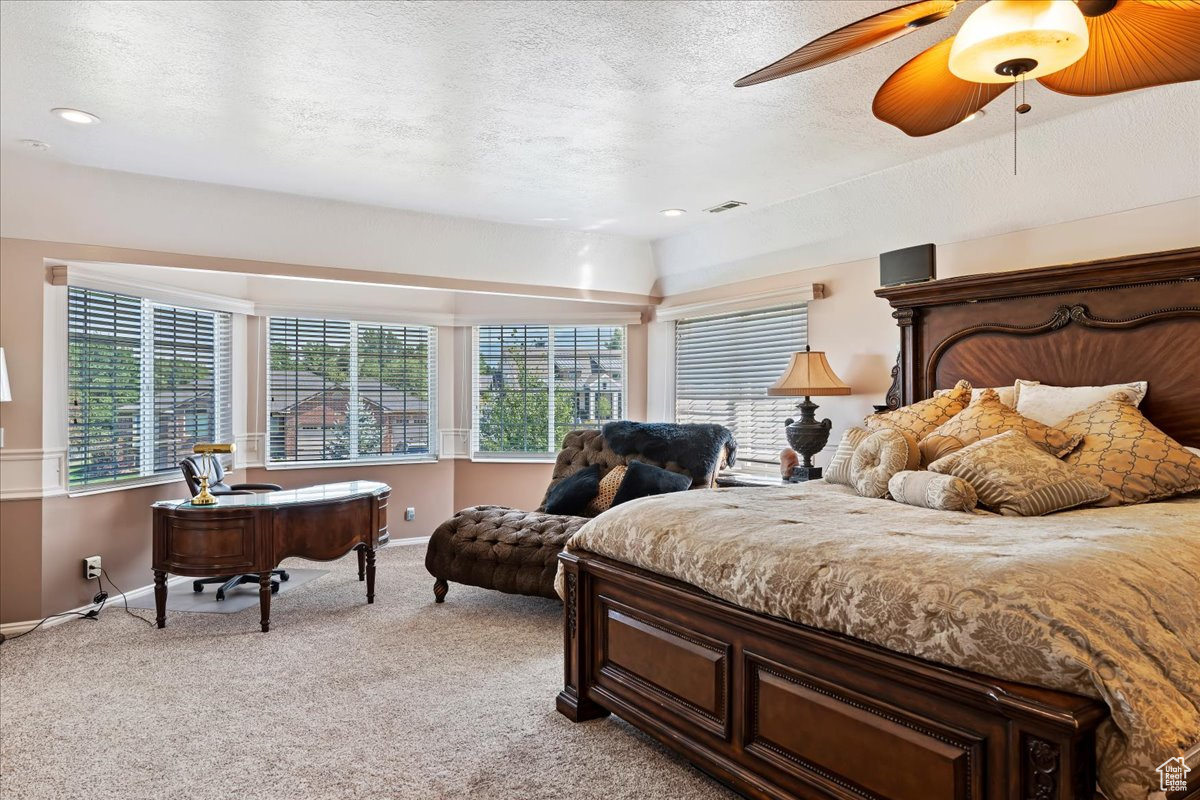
{"type": "Point", "coordinates": [643, 480]}
{"type": "Point", "coordinates": [571, 495]}
{"type": "Point", "coordinates": [695, 448]}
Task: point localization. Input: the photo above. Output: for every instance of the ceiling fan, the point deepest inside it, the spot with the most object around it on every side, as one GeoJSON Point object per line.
{"type": "Point", "coordinates": [1074, 47]}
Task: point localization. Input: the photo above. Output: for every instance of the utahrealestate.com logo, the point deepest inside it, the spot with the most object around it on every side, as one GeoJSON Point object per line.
{"type": "Point", "coordinates": [1172, 775]}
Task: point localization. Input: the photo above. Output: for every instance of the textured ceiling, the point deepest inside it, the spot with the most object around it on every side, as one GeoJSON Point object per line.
{"type": "Point", "coordinates": [586, 115]}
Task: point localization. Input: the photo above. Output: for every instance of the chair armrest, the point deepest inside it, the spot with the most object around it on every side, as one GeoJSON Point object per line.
{"type": "Point", "coordinates": [262, 487]}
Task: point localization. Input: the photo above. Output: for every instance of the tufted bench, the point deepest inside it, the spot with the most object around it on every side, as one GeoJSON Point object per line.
{"type": "Point", "coordinates": [517, 551]}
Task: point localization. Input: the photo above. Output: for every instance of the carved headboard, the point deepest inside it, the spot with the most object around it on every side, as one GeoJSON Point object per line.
{"type": "Point", "coordinates": [1113, 321]}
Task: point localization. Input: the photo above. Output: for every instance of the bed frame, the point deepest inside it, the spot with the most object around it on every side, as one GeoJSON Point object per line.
{"type": "Point", "coordinates": [780, 710]}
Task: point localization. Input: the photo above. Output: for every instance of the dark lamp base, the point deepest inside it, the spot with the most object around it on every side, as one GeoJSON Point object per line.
{"type": "Point", "coordinates": [807, 437]}
{"type": "Point", "coordinates": [802, 474]}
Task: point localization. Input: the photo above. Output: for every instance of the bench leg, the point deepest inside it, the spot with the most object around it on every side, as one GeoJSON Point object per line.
{"type": "Point", "coordinates": [440, 587]}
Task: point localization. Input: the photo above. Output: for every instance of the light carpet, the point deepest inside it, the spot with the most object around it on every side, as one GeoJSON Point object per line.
{"type": "Point", "coordinates": [181, 596]}
{"type": "Point", "coordinates": [402, 699]}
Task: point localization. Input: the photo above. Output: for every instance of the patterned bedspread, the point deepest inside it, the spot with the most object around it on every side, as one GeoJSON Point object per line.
{"type": "Point", "coordinates": [1099, 602]}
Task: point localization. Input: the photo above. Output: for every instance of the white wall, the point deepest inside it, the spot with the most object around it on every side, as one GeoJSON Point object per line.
{"type": "Point", "coordinates": [1142, 150]}
{"type": "Point", "coordinates": [45, 200]}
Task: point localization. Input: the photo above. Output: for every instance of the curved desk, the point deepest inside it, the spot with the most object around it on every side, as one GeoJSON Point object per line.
{"type": "Point", "coordinates": [254, 532]}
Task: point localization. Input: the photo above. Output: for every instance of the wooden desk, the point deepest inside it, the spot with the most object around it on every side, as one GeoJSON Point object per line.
{"type": "Point", "coordinates": [253, 533]}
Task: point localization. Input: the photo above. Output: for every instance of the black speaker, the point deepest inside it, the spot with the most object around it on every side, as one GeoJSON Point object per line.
{"type": "Point", "coordinates": [909, 265]}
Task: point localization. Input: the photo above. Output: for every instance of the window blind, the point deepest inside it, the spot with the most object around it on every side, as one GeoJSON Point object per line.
{"type": "Point", "coordinates": [145, 382]}
{"type": "Point", "coordinates": [535, 383]}
{"type": "Point", "coordinates": [723, 366]}
{"type": "Point", "coordinates": [350, 391]}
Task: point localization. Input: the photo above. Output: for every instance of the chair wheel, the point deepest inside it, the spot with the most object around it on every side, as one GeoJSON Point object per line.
{"type": "Point", "coordinates": [274, 587]}
{"type": "Point", "coordinates": [197, 586]}
{"type": "Point", "coordinates": [283, 576]}
{"type": "Point", "coordinates": [220, 594]}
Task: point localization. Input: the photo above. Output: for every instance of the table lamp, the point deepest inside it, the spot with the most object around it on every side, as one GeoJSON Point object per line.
{"type": "Point", "coordinates": [807, 374]}
{"type": "Point", "coordinates": [5, 389]}
{"type": "Point", "coordinates": [204, 497]}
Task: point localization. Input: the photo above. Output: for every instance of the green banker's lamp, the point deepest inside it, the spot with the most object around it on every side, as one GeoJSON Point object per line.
{"type": "Point", "coordinates": [808, 374]}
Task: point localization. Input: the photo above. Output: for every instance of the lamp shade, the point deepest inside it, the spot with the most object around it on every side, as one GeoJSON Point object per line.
{"type": "Point", "coordinates": [5, 389]}
{"type": "Point", "coordinates": [1043, 36]}
{"type": "Point", "coordinates": [808, 373]}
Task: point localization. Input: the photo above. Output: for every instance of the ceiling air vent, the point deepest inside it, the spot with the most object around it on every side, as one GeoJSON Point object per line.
{"type": "Point", "coordinates": [726, 206]}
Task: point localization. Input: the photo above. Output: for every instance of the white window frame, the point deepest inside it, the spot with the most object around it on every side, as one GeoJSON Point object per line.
{"type": "Point", "coordinates": [354, 459]}
{"type": "Point", "coordinates": [548, 456]}
{"type": "Point", "coordinates": [147, 475]}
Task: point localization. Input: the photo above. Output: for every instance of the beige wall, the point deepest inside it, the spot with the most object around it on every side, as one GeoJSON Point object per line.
{"type": "Point", "coordinates": [856, 329]}
{"type": "Point", "coordinates": [43, 540]}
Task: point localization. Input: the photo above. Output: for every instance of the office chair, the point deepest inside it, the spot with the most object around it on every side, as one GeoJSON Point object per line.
{"type": "Point", "coordinates": [192, 467]}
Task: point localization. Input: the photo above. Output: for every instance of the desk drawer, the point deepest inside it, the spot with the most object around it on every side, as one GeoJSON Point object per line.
{"type": "Point", "coordinates": [190, 546]}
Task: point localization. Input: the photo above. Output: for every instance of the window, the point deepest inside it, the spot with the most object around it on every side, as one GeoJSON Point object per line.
{"type": "Point", "coordinates": [535, 383]}
{"type": "Point", "coordinates": [723, 366]}
{"type": "Point", "coordinates": [146, 381]}
{"type": "Point", "coordinates": [350, 391]}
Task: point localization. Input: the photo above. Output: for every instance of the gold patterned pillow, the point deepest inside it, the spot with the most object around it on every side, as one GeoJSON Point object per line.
{"type": "Point", "coordinates": [838, 470]}
{"type": "Point", "coordinates": [920, 418]}
{"type": "Point", "coordinates": [931, 490]}
{"type": "Point", "coordinates": [608, 490]}
{"type": "Point", "coordinates": [881, 455]}
{"type": "Point", "coordinates": [1135, 460]}
{"type": "Point", "coordinates": [1016, 478]}
{"type": "Point", "coordinates": [986, 417]}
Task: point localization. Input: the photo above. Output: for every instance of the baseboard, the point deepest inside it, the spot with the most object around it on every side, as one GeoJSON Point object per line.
{"type": "Point", "coordinates": [413, 540]}
{"type": "Point", "coordinates": [15, 628]}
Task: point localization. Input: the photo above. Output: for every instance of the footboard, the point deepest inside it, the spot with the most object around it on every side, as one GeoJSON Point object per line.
{"type": "Point", "coordinates": [778, 710]}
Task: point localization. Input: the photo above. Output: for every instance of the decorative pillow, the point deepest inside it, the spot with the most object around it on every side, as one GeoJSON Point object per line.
{"type": "Point", "coordinates": [608, 490]}
{"type": "Point", "coordinates": [1195, 450]}
{"type": "Point", "coordinates": [985, 418]}
{"type": "Point", "coordinates": [880, 456]}
{"type": "Point", "coordinates": [571, 495]}
{"type": "Point", "coordinates": [838, 470]}
{"type": "Point", "coordinates": [1013, 476]}
{"type": "Point", "coordinates": [1126, 453]}
{"type": "Point", "coordinates": [931, 490]}
{"type": "Point", "coordinates": [920, 418]}
{"type": "Point", "coordinates": [1008, 394]}
{"type": "Point", "coordinates": [643, 480]}
{"type": "Point", "coordinates": [1050, 405]}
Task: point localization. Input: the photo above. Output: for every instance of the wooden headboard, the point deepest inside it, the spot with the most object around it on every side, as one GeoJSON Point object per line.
{"type": "Point", "coordinates": [1113, 321]}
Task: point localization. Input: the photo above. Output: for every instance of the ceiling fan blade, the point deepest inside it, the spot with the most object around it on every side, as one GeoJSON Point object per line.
{"type": "Point", "coordinates": [924, 96]}
{"type": "Point", "coordinates": [854, 38]}
{"type": "Point", "coordinates": [1179, 5]}
{"type": "Point", "coordinates": [1135, 45]}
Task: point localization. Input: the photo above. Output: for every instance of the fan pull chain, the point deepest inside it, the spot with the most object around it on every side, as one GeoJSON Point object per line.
{"type": "Point", "coordinates": [1022, 108]}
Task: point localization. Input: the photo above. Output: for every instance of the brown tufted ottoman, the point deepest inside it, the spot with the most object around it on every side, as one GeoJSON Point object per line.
{"type": "Point", "coordinates": [517, 551]}
{"type": "Point", "coordinates": [499, 548]}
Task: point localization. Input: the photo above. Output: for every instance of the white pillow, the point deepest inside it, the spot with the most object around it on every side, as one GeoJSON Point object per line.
{"type": "Point", "coordinates": [1193, 450]}
{"type": "Point", "coordinates": [1050, 405]}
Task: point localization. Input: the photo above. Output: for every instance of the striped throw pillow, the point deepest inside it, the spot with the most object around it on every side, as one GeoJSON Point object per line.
{"type": "Point", "coordinates": [1014, 477]}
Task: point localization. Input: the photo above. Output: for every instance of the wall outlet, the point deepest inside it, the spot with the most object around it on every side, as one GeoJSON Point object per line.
{"type": "Point", "coordinates": [410, 514]}
{"type": "Point", "coordinates": [91, 568]}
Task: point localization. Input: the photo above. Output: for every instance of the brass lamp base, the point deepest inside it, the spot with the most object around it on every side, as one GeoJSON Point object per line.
{"type": "Point", "coordinates": [807, 437]}
{"type": "Point", "coordinates": [204, 497]}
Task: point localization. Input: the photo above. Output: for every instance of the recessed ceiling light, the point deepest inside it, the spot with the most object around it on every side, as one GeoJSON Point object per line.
{"type": "Point", "coordinates": [36, 144]}
{"type": "Point", "coordinates": [75, 115]}
{"type": "Point", "coordinates": [975, 115]}
{"type": "Point", "coordinates": [673, 212]}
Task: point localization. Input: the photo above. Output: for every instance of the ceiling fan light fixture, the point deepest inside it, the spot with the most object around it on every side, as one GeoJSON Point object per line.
{"type": "Point", "coordinates": [1002, 38]}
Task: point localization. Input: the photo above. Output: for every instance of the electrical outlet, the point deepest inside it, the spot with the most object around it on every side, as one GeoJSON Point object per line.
{"type": "Point", "coordinates": [410, 514]}
{"type": "Point", "coordinates": [91, 568]}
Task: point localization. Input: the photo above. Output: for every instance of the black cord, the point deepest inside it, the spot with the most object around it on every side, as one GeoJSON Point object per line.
{"type": "Point", "coordinates": [91, 614]}
{"type": "Point", "coordinates": [124, 599]}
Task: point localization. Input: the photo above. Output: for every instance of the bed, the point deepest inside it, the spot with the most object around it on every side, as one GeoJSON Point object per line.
{"type": "Point", "coordinates": [777, 708]}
